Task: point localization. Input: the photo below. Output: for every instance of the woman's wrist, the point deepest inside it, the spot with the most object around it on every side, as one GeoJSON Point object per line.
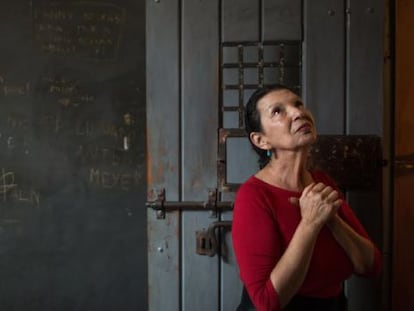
{"type": "Point", "coordinates": [333, 222]}
{"type": "Point", "coordinates": [310, 226]}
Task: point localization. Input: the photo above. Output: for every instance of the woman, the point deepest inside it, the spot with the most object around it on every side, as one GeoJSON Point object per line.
{"type": "Point", "coordinates": [296, 240]}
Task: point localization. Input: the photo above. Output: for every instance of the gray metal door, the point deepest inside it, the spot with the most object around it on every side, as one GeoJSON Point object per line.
{"type": "Point", "coordinates": [204, 58]}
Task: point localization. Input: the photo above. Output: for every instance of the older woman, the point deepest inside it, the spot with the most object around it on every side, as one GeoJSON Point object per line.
{"type": "Point", "coordinates": [295, 238]}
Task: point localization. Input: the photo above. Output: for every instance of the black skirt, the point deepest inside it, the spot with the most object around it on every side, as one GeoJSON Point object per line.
{"type": "Point", "coordinates": [301, 303]}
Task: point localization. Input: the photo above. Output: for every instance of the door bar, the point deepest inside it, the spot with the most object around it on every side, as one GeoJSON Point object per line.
{"type": "Point", "coordinates": [161, 206]}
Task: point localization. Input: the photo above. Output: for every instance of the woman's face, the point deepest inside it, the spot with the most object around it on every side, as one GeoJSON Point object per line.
{"type": "Point", "coordinates": [286, 123]}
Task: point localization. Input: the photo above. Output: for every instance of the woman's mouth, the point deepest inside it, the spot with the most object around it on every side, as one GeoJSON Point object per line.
{"type": "Point", "coordinates": [306, 127]}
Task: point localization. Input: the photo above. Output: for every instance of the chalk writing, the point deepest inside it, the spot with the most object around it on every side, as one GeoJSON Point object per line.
{"type": "Point", "coordinates": [49, 122]}
{"type": "Point", "coordinates": [17, 123]}
{"type": "Point", "coordinates": [11, 143]}
{"type": "Point", "coordinates": [12, 192]}
{"type": "Point", "coordinates": [88, 128]}
{"type": "Point", "coordinates": [52, 123]}
{"type": "Point", "coordinates": [55, 124]}
{"type": "Point", "coordinates": [68, 92]}
{"type": "Point", "coordinates": [14, 89]}
{"type": "Point", "coordinates": [7, 180]}
{"type": "Point", "coordinates": [15, 145]}
{"type": "Point", "coordinates": [86, 29]}
{"type": "Point", "coordinates": [100, 154]}
{"type": "Point", "coordinates": [108, 180]}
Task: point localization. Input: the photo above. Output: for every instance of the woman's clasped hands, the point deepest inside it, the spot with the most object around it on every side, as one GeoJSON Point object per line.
{"type": "Point", "coordinates": [318, 204]}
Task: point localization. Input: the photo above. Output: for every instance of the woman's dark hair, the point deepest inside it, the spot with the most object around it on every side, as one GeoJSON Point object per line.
{"type": "Point", "coordinates": [252, 117]}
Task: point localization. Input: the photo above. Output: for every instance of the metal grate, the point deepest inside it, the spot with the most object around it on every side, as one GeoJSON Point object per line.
{"type": "Point", "coordinates": [245, 66]}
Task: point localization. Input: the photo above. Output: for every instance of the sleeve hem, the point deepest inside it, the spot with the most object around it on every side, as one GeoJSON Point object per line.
{"type": "Point", "coordinates": [275, 297]}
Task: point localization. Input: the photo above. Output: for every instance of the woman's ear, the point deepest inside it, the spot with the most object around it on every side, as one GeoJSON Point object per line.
{"type": "Point", "coordinates": [259, 140]}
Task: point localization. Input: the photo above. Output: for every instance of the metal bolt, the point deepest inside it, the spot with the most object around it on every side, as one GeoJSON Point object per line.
{"type": "Point", "coordinates": [160, 249]}
{"type": "Point", "coordinates": [331, 12]}
{"type": "Point", "coordinates": [370, 10]}
{"type": "Point", "coordinates": [160, 214]}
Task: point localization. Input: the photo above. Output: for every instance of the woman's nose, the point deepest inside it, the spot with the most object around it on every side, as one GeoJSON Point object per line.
{"type": "Point", "coordinates": [297, 112]}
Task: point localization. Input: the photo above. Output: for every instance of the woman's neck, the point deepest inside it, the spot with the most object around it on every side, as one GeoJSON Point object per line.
{"type": "Point", "coordinates": [287, 172]}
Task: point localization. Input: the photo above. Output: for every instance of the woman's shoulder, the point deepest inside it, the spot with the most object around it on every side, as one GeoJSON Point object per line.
{"type": "Point", "coordinates": [251, 186]}
{"type": "Point", "coordinates": [253, 190]}
{"type": "Point", "coordinates": [253, 198]}
{"type": "Point", "coordinates": [255, 185]}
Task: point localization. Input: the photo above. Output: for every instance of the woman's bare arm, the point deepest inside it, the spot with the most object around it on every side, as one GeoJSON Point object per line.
{"type": "Point", "coordinates": [318, 204]}
{"type": "Point", "coordinates": [359, 249]}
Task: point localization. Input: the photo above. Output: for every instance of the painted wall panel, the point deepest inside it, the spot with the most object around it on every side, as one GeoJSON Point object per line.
{"type": "Point", "coordinates": [365, 67]}
{"type": "Point", "coordinates": [162, 95]}
{"type": "Point", "coordinates": [163, 144]}
{"type": "Point", "coordinates": [364, 115]}
{"type": "Point", "coordinates": [230, 284]}
{"type": "Point", "coordinates": [240, 20]}
{"type": "Point", "coordinates": [282, 20]}
{"type": "Point", "coordinates": [199, 123]}
{"type": "Point", "coordinates": [324, 61]}
{"type": "Point", "coordinates": [365, 294]}
{"type": "Point", "coordinates": [163, 262]}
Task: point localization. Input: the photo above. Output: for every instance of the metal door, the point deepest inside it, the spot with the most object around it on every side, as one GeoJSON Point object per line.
{"type": "Point", "coordinates": [204, 58]}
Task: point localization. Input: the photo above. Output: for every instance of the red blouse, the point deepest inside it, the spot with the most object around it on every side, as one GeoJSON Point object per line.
{"type": "Point", "coordinates": [264, 222]}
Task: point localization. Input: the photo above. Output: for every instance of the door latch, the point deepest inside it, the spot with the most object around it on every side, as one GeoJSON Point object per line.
{"type": "Point", "coordinates": [207, 243]}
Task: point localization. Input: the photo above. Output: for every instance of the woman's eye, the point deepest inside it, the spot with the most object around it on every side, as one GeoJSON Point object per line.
{"type": "Point", "coordinates": [276, 111]}
{"type": "Point", "coordinates": [299, 104]}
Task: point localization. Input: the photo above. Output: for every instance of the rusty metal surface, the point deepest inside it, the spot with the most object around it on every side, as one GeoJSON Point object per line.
{"type": "Point", "coordinates": [353, 161]}
{"type": "Point", "coordinates": [222, 183]}
{"type": "Point", "coordinates": [163, 146]}
{"type": "Point", "coordinates": [209, 244]}
{"type": "Point", "coordinates": [161, 206]}
{"type": "Point", "coordinates": [198, 127]}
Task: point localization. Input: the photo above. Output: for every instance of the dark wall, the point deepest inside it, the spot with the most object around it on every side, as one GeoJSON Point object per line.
{"type": "Point", "coordinates": [72, 155]}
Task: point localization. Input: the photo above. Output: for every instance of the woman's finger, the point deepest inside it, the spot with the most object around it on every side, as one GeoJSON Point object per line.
{"type": "Point", "coordinates": [332, 196]}
{"type": "Point", "coordinates": [308, 189]}
{"type": "Point", "coordinates": [337, 203]}
{"type": "Point", "coordinates": [294, 201]}
{"type": "Point", "coordinates": [326, 191]}
{"type": "Point", "coordinates": [318, 187]}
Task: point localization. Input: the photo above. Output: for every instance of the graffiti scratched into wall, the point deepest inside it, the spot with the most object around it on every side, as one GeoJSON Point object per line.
{"type": "Point", "coordinates": [12, 192]}
{"type": "Point", "coordinates": [87, 29]}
